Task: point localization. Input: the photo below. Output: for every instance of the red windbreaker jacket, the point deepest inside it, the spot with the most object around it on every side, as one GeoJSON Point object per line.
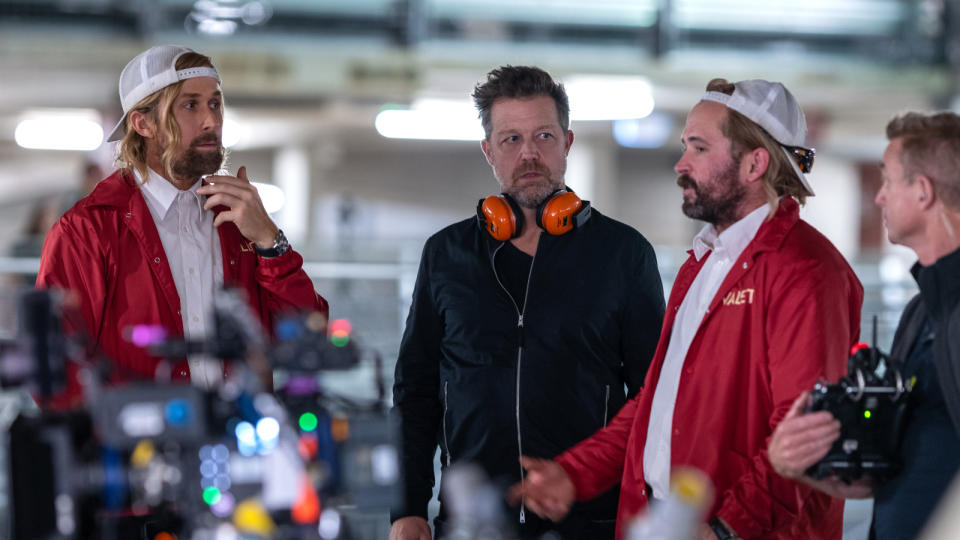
{"type": "Point", "coordinates": [107, 250]}
{"type": "Point", "coordinates": [785, 316]}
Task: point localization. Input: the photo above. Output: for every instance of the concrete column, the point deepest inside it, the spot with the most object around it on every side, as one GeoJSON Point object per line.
{"type": "Point", "coordinates": [592, 172]}
{"type": "Point", "coordinates": [835, 210]}
{"type": "Point", "coordinates": [291, 172]}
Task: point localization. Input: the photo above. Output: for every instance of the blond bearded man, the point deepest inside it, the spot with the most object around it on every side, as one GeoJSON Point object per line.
{"type": "Point", "coordinates": [156, 238]}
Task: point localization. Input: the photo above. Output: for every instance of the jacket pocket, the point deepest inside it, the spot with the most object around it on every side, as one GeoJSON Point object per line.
{"type": "Point", "coordinates": [606, 405]}
{"type": "Point", "coordinates": [446, 410]}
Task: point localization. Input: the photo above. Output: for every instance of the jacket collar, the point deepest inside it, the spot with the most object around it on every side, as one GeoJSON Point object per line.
{"type": "Point", "coordinates": [113, 191]}
{"type": "Point", "coordinates": [939, 285]}
{"type": "Point", "coordinates": [773, 231]}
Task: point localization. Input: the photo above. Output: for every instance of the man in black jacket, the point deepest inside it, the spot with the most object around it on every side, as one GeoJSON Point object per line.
{"type": "Point", "coordinates": [528, 322]}
{"type": "Point", "coordinates": [920, 199]}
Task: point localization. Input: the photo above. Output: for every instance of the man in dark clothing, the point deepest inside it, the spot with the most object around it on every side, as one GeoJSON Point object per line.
{"type": "Point", "coordinates": [920, 199]}
{"type": "Point", "coordinates": [527, 322]}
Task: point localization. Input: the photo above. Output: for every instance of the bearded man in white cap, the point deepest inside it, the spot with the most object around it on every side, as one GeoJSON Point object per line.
{"type": "Point", "coordinates": [763, 308]}
{"type": "Point", "coordinates": [155, 239]}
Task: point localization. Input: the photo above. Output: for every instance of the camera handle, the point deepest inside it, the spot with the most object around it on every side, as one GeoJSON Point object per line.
{"type": "Point", "coordinates": [900, 387]}
{"type": "Point", "coordinates": [861, 385]}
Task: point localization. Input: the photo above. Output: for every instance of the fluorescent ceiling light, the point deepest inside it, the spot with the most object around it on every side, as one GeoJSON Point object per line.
{"type": "Point", "coordinates": [60, 129]}
{"type": "Point", "coordinates": [592, 97]}
{"type": "Point", "coordinates": [608, 97]}
{"type": "Point", "coordinates": [650, 132]}
{"type": "Point", "coordinates": [272, 196]}
{"type": "Point", "coordinates": [433, 119]}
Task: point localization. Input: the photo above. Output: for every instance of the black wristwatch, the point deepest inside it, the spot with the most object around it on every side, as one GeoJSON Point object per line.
{"type": "Point", "coordinates": [721, 530]}
{"type": "Point", "coordinates": [280, 246]}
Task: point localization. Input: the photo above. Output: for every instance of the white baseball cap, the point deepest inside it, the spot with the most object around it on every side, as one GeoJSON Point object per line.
{"type": "Point", "coordinates": [150, 71]}
{"type": "Point", "coordinates": [771, 106]}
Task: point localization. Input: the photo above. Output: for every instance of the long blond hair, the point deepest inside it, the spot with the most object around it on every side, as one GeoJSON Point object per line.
{"type": "Point", "coordinates": [158, 106]}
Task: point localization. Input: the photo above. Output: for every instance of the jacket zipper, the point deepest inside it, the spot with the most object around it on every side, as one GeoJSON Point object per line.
{"type": "Point", "coordinates": [606, 405]}
{"type": "Point", "coordinates": [526, 295]}
{"type": "Point", "coordinates": [446, 408]}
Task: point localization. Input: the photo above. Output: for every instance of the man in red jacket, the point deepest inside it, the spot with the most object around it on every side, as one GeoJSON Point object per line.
{"type": "Point", "coordinates": [763, 308]}
{"type": "Point", "coordinates": [154, 240]}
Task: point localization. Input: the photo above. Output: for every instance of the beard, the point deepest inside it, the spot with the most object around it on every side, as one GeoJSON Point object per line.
{"type": "Point", "coordinates": [194, 163]}
{"type": "Point", "coordinates": [718, 201]}
{"type": "Point", "coordinates": [530, 194]}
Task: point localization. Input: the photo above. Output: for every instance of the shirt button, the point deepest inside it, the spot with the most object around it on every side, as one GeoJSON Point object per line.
{"type": "Point", "coordinates": [676, 432]}
{"type": "Point", "coordinates": [232, 263]}
{"type": "Point", "coordinates": [191, 270]}
{"type": "Point", "coordinates": [195, 318]}
{"type": "Point", "coordinates": [156, 260]}
{"type": "Point", "coordinates": [744, 266]}
{"type": "Point", "coordinates": [184, 229]}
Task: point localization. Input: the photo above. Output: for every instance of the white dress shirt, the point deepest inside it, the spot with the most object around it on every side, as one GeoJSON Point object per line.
{"type": "Point", "coordinates": [192, 246]}
{"type": "Point", "coordinates": [725, 248]}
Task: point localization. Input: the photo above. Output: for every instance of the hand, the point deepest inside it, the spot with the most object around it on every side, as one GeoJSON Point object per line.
{"type": "Point", "coordinates": [833, 486]}
{"type": "Point", "coordinates": [245, 209]}
{"type": "Point", "coordinates": [410, 528]}
{"type": "Point", "coordinates": [547, 489]}
{"type": "Point", "coordinates": [800, 440]}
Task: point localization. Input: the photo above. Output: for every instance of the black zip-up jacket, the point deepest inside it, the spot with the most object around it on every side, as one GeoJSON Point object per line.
{"type": "Point", "coordinates": [486, 382]}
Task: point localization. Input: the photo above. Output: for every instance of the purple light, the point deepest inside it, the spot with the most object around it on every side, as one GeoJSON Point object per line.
{"type": "Point", "coordinates": [145, 335]}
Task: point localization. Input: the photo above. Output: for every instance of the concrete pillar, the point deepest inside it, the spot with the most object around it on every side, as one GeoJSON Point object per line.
{"type": "Point", "coordinates": [291, 173]}
{"type": "Point", "coordinates": [835, 210]}
{"type": "Point", "coordinates": [592, 172]}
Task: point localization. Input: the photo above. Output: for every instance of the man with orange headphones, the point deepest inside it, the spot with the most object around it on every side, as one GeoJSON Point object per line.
{"type": "Point", "coordinates": [531, 324]}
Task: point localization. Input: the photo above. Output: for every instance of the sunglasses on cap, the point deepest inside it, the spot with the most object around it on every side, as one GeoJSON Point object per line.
{"type": "Point", "coordinates": [803, 157]}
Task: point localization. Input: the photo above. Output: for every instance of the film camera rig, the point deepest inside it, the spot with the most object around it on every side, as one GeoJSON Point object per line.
{"type": "Point", "coordinates": [158, 461]}
{"type": "Point", "coordinates": [871, 403]}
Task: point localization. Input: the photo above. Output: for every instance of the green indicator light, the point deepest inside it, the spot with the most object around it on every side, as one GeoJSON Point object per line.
{"type": "Point", "coordinates": [211, 495]}
{"type": "Point", "coordinates": [308, 421]}
{"type": "Point", "coordinates": [866, 414]}
{"type": "Point", "coordinates": [339, 341]}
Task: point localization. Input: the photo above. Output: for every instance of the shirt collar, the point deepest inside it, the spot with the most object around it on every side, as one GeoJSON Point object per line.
{"type": "Point", "coordinates": [163, 192]}
{"type": "Point", "coordinates": [734, 238]}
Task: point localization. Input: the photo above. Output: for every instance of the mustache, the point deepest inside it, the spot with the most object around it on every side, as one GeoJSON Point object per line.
{"type": "Point", "coordinates": [686, 181]}
{"type": "Point", "coordinates": [205, 139]}
{"type": "Point", "coordinates": [534, 166]}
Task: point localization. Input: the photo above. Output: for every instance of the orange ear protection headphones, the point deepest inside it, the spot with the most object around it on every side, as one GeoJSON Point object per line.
{"type": "Point", "coordinates": [561, 212]}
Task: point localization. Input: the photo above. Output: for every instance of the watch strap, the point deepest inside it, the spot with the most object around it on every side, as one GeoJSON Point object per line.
{"type": "Point", "coordinates": [721, 530]}
{"type": "Point", "coordinates": [280, 246]}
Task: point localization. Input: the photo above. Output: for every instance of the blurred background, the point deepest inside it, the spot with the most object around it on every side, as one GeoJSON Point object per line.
{"type": "Point", "coordinates": [354, 115]}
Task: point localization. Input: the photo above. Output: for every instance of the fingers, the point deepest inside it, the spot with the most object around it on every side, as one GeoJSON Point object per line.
{"type": "Point", "coordinates": [800, 441]}
{"type": "Point", "coordinates": [857, 489]}
{"type": "Point", "coordinates": [232, 188]}
{"type": "Point", "coordinates": [799, 406]}
{"type": "Point", "coordinates": [515, 493]}
{"type": "Point", "coordinates": [547, 490]}
{"type": "Point", "coordinates": [223, 217]}
{"type": "Point", "coordinates": [242, 173]}
{"type": "Point", "coordinates": [410, 528]}
{"type": "Point", "coordinates": [533, 464]}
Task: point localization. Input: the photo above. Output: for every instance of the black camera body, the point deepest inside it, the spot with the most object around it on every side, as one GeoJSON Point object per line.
{"type": "Point", "coordinates": [871, 404]}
